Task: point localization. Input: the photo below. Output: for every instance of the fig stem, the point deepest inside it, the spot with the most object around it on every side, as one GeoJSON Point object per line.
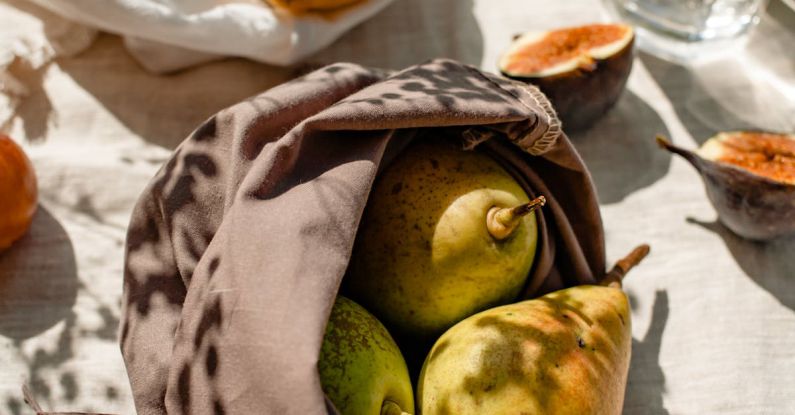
{"type": "Point", "coordinates": [623, 265]}
{"type": "Point", "coordinates": [688, 155]}
{"type": "Point", "coordinates": [391, 408]}
{"type": "Point", "coordinates": [501, 222]}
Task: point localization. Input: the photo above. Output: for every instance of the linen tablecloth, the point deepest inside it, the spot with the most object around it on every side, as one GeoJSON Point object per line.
{"type": "Point", "coordinates": [714, 315]}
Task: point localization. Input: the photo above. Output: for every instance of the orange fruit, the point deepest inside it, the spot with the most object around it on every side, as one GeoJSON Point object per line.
{"type": "Point", "coordinates": [18, 192]}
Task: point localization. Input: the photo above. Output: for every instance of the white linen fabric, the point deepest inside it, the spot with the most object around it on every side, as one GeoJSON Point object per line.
{"type": "Point", "coordinates": [162, 35]}
{"type": "Point", "coordinates": [211, 28]}
{"type": "Point", "coordinates": [28, 43]}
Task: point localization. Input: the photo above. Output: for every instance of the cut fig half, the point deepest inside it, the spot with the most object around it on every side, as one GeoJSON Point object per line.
{"type": "Point", "coordinates": [582, 70]}
{"type": "Point", "coordinates": [769, 155]}
{"type": "Point", "coordinates": [750, 179]}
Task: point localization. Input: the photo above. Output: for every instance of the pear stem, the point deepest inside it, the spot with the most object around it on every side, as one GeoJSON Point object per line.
{"type": "Point", "coordinates": [623, 265]}
{"type": "Point", "coordinates": [501, 222]}
{"type": "Point", "coordinates": [391, 408]}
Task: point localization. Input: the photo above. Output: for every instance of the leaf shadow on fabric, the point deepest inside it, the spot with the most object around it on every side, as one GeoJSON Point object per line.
{"type": "Point", "coordinates": [35, 110]}
{"type": "Point", "coordinates": [38, 290]}
{"type": "Point", "coordinates": [646, 381]}
{"type": "Point", "coordinates": [447, 91]}
{"type": "Point", "coordinates": [51, 380]}
{"type": "Point", "coordinates": [620, 151]}
{"type": "Point", "coordinates": [176, 184]}
{"type": "Point", "coordinates": [527, 356]}
{"type": "Point", "coordinates": [206, 351]}
{"type": "Point", "coordinates": [155, 295]}
{"type": "Point", "coordinates": [768, 264]}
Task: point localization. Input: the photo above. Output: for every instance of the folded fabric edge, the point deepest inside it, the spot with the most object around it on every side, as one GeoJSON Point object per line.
{"type": "Point", "coordinates": [538, 135]}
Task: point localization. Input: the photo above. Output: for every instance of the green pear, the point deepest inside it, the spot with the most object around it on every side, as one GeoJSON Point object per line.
{"type": "Point", "coordinates": [446, 233]}
{"type": "Point", "coordinates": [567, 352]}
{"type": "Point", "coordinates": [361, 369]}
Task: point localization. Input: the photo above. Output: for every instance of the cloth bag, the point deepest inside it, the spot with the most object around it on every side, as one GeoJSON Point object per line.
{"type": "Point", "coordinates": [237, 247]}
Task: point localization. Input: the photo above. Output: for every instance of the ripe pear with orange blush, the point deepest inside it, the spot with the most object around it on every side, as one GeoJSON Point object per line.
{"type": "Point", "coordinates": [567, 352]}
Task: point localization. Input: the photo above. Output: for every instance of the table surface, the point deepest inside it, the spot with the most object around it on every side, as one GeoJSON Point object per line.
{"type": "Point", "coordinates": [714, 315]}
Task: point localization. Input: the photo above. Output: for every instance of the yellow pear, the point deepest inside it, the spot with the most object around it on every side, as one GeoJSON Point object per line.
{"type": "Point", "coordinates": [446, 233]}
{"type": "Point", "coordinates": [567, 352]}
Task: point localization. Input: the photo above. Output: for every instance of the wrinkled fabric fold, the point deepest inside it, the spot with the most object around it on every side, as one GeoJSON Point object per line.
{"type": "Point", "coordinates": [170, 35]}
{"type": "Point", "coordinates": [237, 248]}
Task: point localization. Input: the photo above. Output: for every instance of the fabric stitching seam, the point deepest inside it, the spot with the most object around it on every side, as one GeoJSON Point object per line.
{"type": "Point", "coordinates": [545, 142]}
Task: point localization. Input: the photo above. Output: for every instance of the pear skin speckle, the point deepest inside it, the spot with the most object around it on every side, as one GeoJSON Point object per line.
{"type": "Point", "coordinates": [423, 258]}
{"type": "Point", "coordinates": [360, 364]}
{"type": "Point", "coordinates": [565, 353]}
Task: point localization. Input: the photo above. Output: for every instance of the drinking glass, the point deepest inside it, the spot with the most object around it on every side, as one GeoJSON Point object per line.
{"type": "Point", "coordinates": [687, 29]}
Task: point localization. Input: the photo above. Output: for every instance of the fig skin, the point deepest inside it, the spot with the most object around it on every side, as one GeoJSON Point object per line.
{"type": "Point", "coordinates": [583, 95]}
{"type": "Point", "coordinates": [752, 206]}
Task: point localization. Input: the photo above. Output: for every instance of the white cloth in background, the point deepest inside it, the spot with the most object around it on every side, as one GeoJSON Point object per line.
{"type": "Point", "coordinates": [156, 30]}
{"type": "Point", "coordinates": [27, 44]}
{"type": "Point", "coordinates": [162, 35]}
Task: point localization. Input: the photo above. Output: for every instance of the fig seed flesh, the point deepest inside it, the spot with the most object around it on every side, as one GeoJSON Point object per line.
{"type": "Point", "coordinates": [764, 154]}
{"type": "Point", "coordinates": [582, 70]}
{"type": "Point", "coordinates": [562, 45]}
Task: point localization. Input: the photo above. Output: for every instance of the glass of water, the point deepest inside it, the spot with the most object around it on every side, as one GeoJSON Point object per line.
{"type": "Point", "coordinates": [686, 29]}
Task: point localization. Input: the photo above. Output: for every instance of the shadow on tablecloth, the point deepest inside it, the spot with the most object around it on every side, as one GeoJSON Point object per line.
{"type": "Point", "coordinates": [721, 96]}
{"type": "Point", "coordinates": [409, 32]}
{"type": "Point", "coordinates": [39, 286]}
{"type": "Point", "coordinates": [164, 109]}
{"type": "Point", "coordinates": [620, 150]}
{"type": "Point", "coordinates": [646, 381]}
{"type": "Point", "coordinates": [771, 42]}
{"type": "Point", "coordinates": [38, 279]}
{"type": "Point", "coordinates": [768, 264]}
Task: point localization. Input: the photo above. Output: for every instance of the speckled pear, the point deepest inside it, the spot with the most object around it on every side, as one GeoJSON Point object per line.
{"type": "Point", "coordinates": [567, 352]}
{"type": "Point", "coordinates": [446, 233]}
{"type": "Point", "coordinates": [361, 368]}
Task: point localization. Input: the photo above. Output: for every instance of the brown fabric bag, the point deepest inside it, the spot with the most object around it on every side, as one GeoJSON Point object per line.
{"type": "Point", "coordinates": [236, 249]}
